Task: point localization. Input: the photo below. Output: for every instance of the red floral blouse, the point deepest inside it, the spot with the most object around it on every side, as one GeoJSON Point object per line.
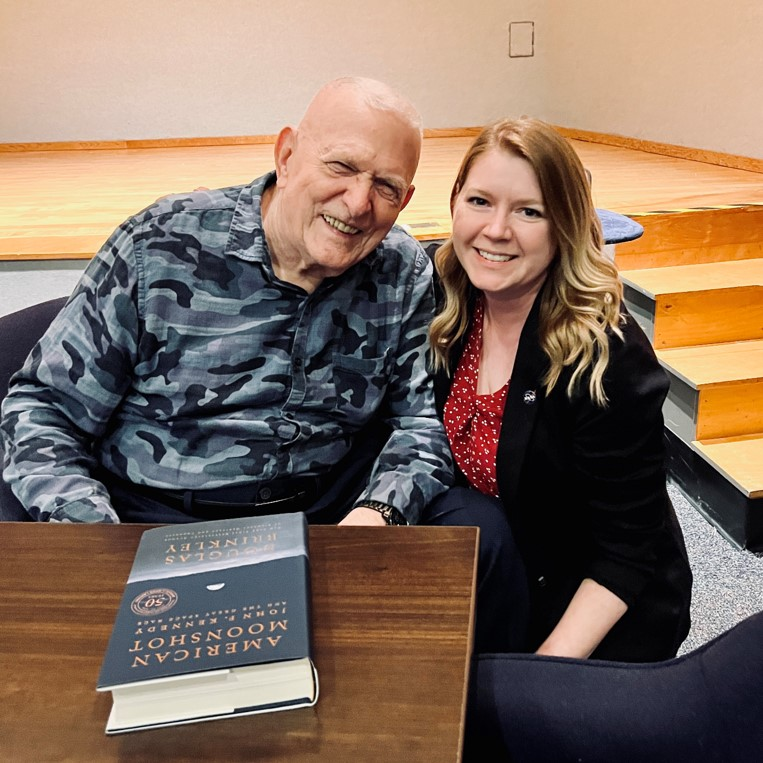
{"type": "Point", "coordinates": [472, 421]}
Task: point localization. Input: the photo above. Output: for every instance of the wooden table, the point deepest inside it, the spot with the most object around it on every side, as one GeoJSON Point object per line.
{"type": "Point", "coordinates": [392, 624]}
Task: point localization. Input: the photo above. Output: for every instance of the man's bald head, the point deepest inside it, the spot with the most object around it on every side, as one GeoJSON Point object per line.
{"type": "Point", "coordinates": [371, 92]}
{"type": "Point", "coordinates": [343, 176]}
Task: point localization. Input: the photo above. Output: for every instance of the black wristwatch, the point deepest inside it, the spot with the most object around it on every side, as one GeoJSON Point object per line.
{"type": "Point", "coordinates": [389, 513]}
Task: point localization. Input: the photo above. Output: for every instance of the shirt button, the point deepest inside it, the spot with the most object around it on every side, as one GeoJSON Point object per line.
{"type": "Point", "coordinates": [542, 581]}
{"type": "Point", "coordinates": [265, 493]}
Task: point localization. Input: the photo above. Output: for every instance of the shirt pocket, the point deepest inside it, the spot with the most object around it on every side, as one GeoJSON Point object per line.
{"type": "Point", "coordinates": [360, 384]}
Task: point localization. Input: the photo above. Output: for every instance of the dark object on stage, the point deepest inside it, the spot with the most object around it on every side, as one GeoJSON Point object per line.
{"type": "Point", "coordinates": [214, 622]}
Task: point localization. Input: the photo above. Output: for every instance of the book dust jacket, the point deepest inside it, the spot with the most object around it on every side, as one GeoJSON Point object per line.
{"type": "Point", "coordinates": [212, 595]}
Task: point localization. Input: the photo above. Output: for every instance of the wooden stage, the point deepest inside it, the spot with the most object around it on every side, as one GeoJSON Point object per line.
{"type": "Point", "coordinates": [63, 204]}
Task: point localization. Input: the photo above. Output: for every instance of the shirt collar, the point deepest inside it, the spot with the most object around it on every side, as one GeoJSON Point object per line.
{"type": "Point", "coordinates": [247, 236]}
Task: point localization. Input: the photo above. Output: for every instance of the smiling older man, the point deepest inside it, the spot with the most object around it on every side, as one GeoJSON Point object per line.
{"type": "Point", "coordinates": [249, 350]}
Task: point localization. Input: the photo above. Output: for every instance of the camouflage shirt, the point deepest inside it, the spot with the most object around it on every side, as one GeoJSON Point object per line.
{"type": "Point", "coordinates": [182, 361]}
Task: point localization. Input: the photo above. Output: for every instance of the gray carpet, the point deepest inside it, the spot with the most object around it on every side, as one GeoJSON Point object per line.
{"type": "Point", "coordinates": [728, 582]}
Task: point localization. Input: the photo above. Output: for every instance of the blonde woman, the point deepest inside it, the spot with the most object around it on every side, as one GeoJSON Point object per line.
{"type": "Point", "coordinates": [551, 397]}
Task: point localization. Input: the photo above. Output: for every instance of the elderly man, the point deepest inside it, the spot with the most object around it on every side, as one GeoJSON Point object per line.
{"type": "Point", "coordinates": [249, 350]}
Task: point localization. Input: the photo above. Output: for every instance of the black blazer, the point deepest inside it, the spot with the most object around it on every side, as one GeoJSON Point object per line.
{"type": "Point", "coordinates": [584, 489]}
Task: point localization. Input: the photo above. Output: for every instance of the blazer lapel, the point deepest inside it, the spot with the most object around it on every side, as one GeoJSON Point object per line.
{"type": "Point", "coordinates": [523, 402]}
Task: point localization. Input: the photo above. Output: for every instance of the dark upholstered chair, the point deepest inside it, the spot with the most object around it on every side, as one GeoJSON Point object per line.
{"type": "Point", "coordinates": [19, 332]}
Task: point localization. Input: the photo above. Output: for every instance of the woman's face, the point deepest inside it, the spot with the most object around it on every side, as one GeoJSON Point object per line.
{"type": "Point", "coordinates": [501, 234]}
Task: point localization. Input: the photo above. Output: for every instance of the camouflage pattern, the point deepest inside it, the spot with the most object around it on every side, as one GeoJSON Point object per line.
{"type": "Point", "coordinates": [182, 361]}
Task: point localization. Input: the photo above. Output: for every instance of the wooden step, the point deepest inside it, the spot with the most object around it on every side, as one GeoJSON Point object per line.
{"type": "Point", "coordinates": [694, 281]}
{"type": "Point", "coordinates": [739, 459]}
{"type": "Point", "coordinates": [723, 479]}
{"type": "Point", "coordinates": [684, 305]}
{"type": "Point", "coordinates": [715, 390]}
{"type": "Point", "coordinates": [694, 236]}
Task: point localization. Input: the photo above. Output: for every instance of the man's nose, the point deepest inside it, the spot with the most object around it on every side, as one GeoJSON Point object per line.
{"type": "Point", "coordinates": [358, 195]}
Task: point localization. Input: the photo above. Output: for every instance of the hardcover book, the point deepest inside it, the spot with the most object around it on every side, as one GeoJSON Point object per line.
{"type": "Point", "coordinates": [214, 622]}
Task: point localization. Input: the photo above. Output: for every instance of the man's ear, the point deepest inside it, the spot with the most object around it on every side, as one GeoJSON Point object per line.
{"type": "Point", "coordinates": [283, 150]}
{"type": "Point", "coordinates": [407, 198]}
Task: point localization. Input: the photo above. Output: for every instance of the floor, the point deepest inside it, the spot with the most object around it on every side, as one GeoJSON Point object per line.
{"type": "Point", "coordinates": [728, 582]}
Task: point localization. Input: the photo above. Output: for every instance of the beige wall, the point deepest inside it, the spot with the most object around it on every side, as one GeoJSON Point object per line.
{"type": "Point", "coordinates": [120, 69]}
{"type": "Point", "coordinates": [688, 72]}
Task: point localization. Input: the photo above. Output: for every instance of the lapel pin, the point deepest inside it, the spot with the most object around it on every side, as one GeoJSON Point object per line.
{"type": "Point", "coordinates": [529, 397]}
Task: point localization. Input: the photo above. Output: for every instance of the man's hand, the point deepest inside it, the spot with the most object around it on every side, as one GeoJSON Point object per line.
{"type": "Point", "coordinates": [363, 516]}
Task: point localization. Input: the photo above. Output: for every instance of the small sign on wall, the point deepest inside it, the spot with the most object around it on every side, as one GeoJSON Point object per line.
{"type": "Point", "coordinates": [521, 39]}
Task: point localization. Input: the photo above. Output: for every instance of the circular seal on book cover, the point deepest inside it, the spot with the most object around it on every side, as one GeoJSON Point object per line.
{"type": "Point", "coordinates": [154, 602]}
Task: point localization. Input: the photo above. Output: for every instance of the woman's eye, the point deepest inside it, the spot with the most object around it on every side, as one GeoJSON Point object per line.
{"type": "Point", "coordinates": [477, 201]}
{"type": "Point", "coordinates": [530, 212]}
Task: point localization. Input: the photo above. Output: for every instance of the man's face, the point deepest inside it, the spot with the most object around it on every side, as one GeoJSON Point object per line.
{"type": "Point", "coordinates": [343, 178]}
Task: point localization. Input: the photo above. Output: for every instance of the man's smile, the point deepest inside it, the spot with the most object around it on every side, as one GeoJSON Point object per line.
{"type": "Point", "coordinates": [339, 225]}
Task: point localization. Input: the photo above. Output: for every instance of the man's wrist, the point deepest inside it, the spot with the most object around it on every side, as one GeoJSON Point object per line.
{"type": "Point", "coordinates": [389, 513]}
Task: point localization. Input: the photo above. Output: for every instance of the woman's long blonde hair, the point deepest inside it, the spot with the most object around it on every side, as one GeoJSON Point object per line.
{"type": "Point", "coordinates": [580, 300]}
